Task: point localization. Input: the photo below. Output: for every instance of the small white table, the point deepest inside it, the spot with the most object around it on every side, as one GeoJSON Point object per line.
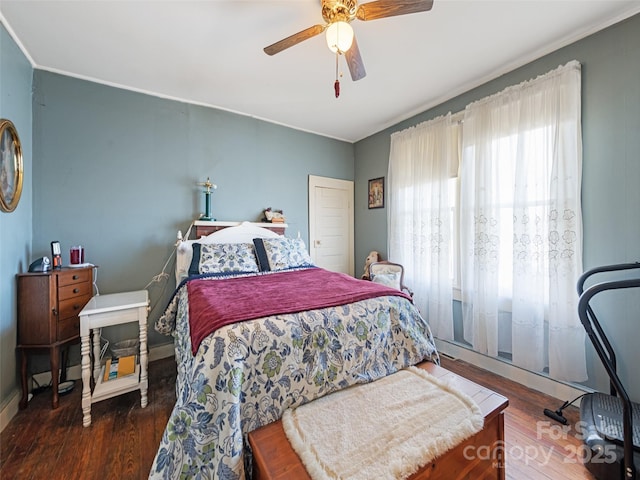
{"type": "Point", "coordinates": [104, 311]}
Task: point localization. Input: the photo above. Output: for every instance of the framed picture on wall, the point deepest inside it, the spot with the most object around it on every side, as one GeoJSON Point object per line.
{"type": "Point", "coordinates": [10, 166]}
{"type": "Point", "coordinates": [376, 193]}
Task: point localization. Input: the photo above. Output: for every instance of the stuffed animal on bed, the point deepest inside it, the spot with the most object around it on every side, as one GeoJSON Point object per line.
{"type": "Point", "coordinates": [371, 258]}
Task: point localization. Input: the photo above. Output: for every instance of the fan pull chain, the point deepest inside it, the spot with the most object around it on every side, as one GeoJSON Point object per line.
{"type": "Point", "coordinates": [336, 85]}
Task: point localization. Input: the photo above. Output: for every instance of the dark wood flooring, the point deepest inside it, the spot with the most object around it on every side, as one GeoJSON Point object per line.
{"type": "Point", "coordinates": [120, 443]}
{"type": "Point", "coordinates": [536, 447]}
{"type": "Point", "coordinates": [40, 443]}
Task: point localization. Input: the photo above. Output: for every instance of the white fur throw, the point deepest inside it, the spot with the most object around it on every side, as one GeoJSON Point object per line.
{"type": "Point", "coordinates": [386, 429]}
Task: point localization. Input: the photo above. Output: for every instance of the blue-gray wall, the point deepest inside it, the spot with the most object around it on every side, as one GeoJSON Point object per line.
{"type": "Point", "coordinates": [15, 227]}
{"type": "Point", "coordinates": [611, 173]}
{"type": "Point", "coordinates": [116, 171]}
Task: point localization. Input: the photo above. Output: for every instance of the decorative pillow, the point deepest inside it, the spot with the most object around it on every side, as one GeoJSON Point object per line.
{"type": "Point", "coordinates": [223, 258]}
{"type": "Point", "coordinates": [388, 279]}
{"type": "Point", "coordinates": [282, 253]}
{"type": "Point", "coordinates": [243, 233]}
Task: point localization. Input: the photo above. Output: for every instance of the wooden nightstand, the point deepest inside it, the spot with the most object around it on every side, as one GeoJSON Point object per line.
{"type": "Point", "coordinates": [48, 308]}
{"type": "Point", "coordinates": [105, 311]}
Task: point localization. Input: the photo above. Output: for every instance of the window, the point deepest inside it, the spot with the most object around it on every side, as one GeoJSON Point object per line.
{"type": "Point", "coordinates": [507, 233]}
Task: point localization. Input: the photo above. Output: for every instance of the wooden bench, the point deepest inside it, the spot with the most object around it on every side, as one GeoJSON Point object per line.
{"type": "Point", "coordinates": [479, 457]}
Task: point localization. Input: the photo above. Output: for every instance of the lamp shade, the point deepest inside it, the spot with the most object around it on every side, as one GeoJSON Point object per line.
{"type": "Point", "coordinates": [339, 37]}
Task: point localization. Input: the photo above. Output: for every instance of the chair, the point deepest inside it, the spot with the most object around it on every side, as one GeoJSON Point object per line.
{"type": "Point", "coordinates": [389, 274]}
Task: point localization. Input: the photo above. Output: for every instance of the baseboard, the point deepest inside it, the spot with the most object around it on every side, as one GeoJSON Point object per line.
{"type": "Point", "coordinates": [159, 352]}
{"type": "Point", "coordinates": [10, 409]}
{"type": "Point", "coordinates": [74, 372]}
{"type": "Point", "coordinates": [563, 391]}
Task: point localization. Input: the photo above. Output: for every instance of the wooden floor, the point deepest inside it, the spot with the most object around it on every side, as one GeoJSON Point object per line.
{"type": "Point", "coordinates": [40, 443]}
{"type": "Point", "coordinates": [536, 447]}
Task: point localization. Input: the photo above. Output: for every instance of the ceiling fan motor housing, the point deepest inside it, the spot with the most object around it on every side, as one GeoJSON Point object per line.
{"type": "Point", "coordinates": [339, 10]}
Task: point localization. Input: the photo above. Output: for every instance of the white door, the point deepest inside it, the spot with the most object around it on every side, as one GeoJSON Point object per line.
{"type": "Point", "coordinates": [331, 223]}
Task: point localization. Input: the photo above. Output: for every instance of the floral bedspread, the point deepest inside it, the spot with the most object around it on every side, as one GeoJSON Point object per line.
{"type": "Point", "coordinates": [247, 374]}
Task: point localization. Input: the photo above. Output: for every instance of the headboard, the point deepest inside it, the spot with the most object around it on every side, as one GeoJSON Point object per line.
{"type": "Point", "coordinates": [243, 233]}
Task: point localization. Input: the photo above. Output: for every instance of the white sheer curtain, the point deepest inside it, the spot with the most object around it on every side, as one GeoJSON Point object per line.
{"type": "Point", "coordinates": [521, 224]}
{"type": "Point", "coordinates": [422, 160]}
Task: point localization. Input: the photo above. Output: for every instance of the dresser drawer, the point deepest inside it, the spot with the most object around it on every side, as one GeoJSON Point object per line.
{"type": "Point", "coordinates": [74, 290]}
{"type": "Point", "coordinates": [68, 327]}
{"type": "Point", "coordinates": [72, 306]}
{"type": "Point", "coordinates": [70, 277]}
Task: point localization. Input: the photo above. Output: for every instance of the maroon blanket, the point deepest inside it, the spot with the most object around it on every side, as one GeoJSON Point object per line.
{"type": "Point", "coordinates": [216, 303]}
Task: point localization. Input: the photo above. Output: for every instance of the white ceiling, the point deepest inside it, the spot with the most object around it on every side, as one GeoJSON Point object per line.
{"type": "Point", "coordinates": [209, 52]}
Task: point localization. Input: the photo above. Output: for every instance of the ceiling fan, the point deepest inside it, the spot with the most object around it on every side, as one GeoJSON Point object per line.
{"type": "Point", "coordinates": [338, 14]}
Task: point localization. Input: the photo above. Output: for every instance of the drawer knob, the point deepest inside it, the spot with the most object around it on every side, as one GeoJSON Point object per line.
{"type": "Point", "coordinates": [76, 307]}
{"type": "Point", "coordinates": [75, 277]}
{"type": "Point", "coordinates": [76, 290]}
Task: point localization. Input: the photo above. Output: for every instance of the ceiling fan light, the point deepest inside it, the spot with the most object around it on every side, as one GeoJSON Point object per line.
{"type": "Point", "coordinates": [339, 37]}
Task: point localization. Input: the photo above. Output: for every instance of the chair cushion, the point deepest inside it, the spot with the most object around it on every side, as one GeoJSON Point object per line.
{"type": "Point", "coordinates": [388, 279]}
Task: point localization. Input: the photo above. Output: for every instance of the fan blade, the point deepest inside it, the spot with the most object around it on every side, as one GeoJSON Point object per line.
{"type": "Point", "coordinates": [354, 60]}
{"type": "Point", "coordinates": [390, 8]}
{"type": "Point", "coordinates": [294, 39]}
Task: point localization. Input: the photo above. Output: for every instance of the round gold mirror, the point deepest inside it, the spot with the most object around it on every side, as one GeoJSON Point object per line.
{"type": "Point", "coordinates": [10, 166]}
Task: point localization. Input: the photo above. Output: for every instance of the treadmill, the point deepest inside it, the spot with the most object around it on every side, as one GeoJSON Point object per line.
{"type": "Point", "coordinates": [610, 422]}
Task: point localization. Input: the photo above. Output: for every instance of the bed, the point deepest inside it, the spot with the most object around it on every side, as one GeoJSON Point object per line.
{"type": "Point", "coordinates": [256, 332]}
